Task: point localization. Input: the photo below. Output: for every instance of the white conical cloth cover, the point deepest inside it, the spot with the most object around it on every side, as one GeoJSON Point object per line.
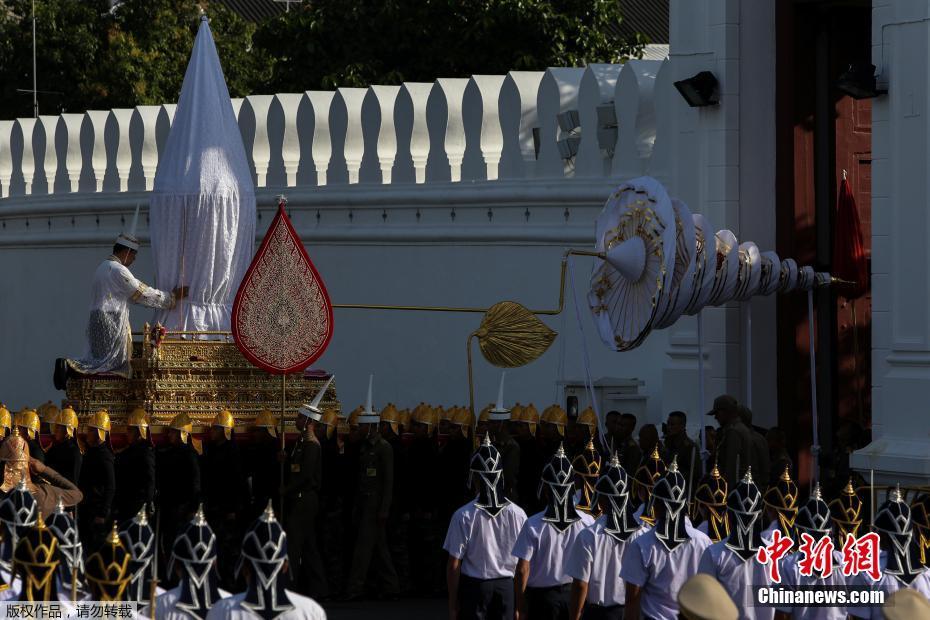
{"type": "Point", "coordinates": [500, 412]}
{"type": "Point", "coordinates": [202, 216]}
{"type": "Point", "coordinates": [313, 410]}
{"type": "Point", "coordinates": [369, 415]}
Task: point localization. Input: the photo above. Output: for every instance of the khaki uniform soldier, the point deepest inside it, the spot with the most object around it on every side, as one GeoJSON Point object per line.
{"type": "Point", "coordinates": [734, 441]}
{"type": "Point", "coordinates": [372, 505]}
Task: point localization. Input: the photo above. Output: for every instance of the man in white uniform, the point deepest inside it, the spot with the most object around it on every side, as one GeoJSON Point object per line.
{"type": "Point", "coordinates": [813, 519]}
{"type": "Point", "coordinates": [543, 587]}
{"type": "Point", "coordinates": [264, 563]}
{"type": "Point", "coordinates": [899, 562]}
{"type": "Point", "coordinates": [481, 536]}
{"type": "Point", "coordinates": [781, 505]}
{"type": "Point", "coordinates": [194, 555]}
{"type": "Point", "coordinates": [661, 560]}
{"type": "Point", "coordinates": [595, 562]}
{"type": "Point", "coordinates": [732, 561]}
{"type": "Point", "coordinates": [109, 340]}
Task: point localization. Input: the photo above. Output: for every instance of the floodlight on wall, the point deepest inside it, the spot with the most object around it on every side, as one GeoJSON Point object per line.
{"type": "Point", "coordinates": [700, 90]}
{"type": "Point", "coordinates": [569, 120]}
{"type": "Point", "coordinates": [859, 82]}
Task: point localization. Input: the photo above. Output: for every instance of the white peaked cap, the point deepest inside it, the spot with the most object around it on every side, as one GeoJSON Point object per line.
{"type": "Point", "coordinates": [313, 410]}
{"type": "Point", "coordinates": [369, 415]}
{"type": "Point", "coordinates": [129, 239]}
{"type": "Point", "coordinates": [499, 412]}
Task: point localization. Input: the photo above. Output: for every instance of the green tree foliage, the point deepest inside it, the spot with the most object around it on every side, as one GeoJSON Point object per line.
{"type": "Point", "coordinates": [332, 43]}
{"type": "Point", "coordinates": [136, 53]}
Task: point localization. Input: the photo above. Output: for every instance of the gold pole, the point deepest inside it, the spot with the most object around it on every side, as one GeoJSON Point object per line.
{"type": "Point", "coordinates": [283, 407]}
{"type": "Point", "coordinates": [74, 583]}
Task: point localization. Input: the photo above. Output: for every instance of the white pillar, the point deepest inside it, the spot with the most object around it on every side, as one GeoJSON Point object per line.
{"type": "Point", "coordinates": [419, 135]}
{"type": "Point", "coordinates": [123, 118]}
{"type": "Point", "coordinates": [28, 162]}
{"type": "Point", "coordinates": [98, 160]}
{"type": "Point", "coordinates": [386, 98]}
{"type": "Point", "coordinates": [73, 161]}
{"type": "Point", "coordinates": [492, 138]}
{"type": "Point", "coordinates": [6, 157]}
{"type": "Point", "coordinates": [322, 146]}
{"type": "Point", "coordinates": [148, 115]}
{"type": "Point", "coordinates": [261, 149]}
{"type": "Point", "coordinates": [900, 448]}
{"type": "Point", "coordinates": [49, 126]}
{"type": "Point", "coordinates": [290, 143]}
{"type": "Point", "coordinates": [354, 143]}
{"type": "Point", "coordinates": [453, 90]}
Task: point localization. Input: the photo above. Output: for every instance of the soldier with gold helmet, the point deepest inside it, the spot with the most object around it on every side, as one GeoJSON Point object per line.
{"type": "Point", "coordinates": [423, 473]}
{"type": "Point", "coordinates": [454, 454]}
{"type": "Point", "coordinates": [48, 416]}
{"type": "Point", "coordinates": [97, 481]}
{"type": "Point", "coordinates": [524, 426]}
{"type": "Point", "coordinates": [399, 517]}
{"type": "Point", "coordinates": [6, 422]}
{"type": "Point", "coordinates": [64, 455]}
{"type": "Point", "coordinates": [177, 479]}
{"type": "Point", "coordinates": [552, 425]}
{"type": "Point", "coordinates": [264, 469]}
{"type": "Point", "coordinates": [135, 468]}
{"type": "Point", "coordinates": [27, 420]}
{"type": "Point", "coordinates": [225, 492]}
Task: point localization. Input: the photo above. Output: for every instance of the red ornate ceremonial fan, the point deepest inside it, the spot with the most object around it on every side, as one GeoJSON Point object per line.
{"type": "Point", "coordinates": [282, 319]}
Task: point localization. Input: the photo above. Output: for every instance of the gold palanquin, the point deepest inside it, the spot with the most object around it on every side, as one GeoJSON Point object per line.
{"type": "Point", "coordinates": [198, 373]}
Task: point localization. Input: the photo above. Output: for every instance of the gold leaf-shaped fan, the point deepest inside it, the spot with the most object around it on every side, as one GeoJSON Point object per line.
{"type": "Point", "coordinates": [512, 336]}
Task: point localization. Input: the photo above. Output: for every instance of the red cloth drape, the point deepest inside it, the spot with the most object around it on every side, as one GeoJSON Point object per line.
{"type": "Point", "coordinates": [849, 260]}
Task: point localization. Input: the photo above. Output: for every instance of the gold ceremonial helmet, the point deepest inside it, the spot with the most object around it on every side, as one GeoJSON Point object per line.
{"type": "Point", "coordinates": [463, 419]}
{"type": "Point", "coordinates": [711, 493]}
{"type": "Point", "coordinates": [447, 414]}
{"type": "Point", "coordinates": [139, 419]}
{"type": "Point", "coordinates": [35, 561]}
{"type": "Point", "coordinates": [14, 452]}
{"type": "Point", "coordinates": [225, 420]}
{"type": "Point", "coordinates": [588, 466]}
{"type": "Point", "coordinates": [783, 498]}
{"type": "Point", "coordinates": [846, 512]}
{"type": "Point", "coordinates": [48, 412]}
{"type": "Point", "coordinates": [391, 415]}
{"type": "Point", "coordinates": [330, 421]}
{"type": "Point", "coordinates": [6, 421]}
{"type": "Point", "coordinates": [101, 422]}
{"type": "Point", "coordinates": [353, 416]}
{"type": "Point", "coordinates": [557, 416]}
{"type": "Point", "coordinates": [516, 412]}
{"type": "Point", "coordinates": [265, 419]}
{"type": "Point", "coordinates": [67, 418]}
{"type": "Point", "coordinates": [588, 418]}
{"type": "Point", "coordinates": [403, 418]}
{"type": "Point", "coordinates": [920, 517]}
{"type": "Point", "coordinates": [108, 570]}
{"type": "Point", "coordinates": [424, 414]}
{"type": "Point", "coordinates": [440, 413]}
{"type": "Point", "coordinates": [530, 416]}
{"type": "Point", "coordinates": [28, 419]}
{"type": "Point", "coordinates": [650, 469]}
{"type": "Point", "coordinates": [183, 424]}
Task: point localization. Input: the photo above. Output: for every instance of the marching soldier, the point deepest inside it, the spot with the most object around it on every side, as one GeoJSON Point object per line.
{"type": "Point", "coordinates": [594, 564]}
{"type": "Point", "coordinates": [662, 559]}
{"type": "Point", "coordinates": [399, 518]}
{"type": "Point", "coordinates": [108, 570]}
{"type": "Point", "coordinates": [265, 553]}
{"type": "Point", "coordinates": [846, 512]}
{"type": "Point", "coordinates": [264, 469]}
{"type": "Point", "coordinates": [27, 420]}
{"type": "Point", "coordinates": [920, 516]}
{"type": "Point", "coordinates": [781, 505]}
{"type": "Point", "coordinates": [224, 492]}
{"type": "Point", "coordinates": [543, 587]}
{"type": "Point", "coordinates": [64, 456]}
{"type": "Point", "coordinates": [552, 431]}
{"type": "Point", "coordinates": [580, 432]}
{"type": "Point", "coordinates": [177, 480]}
{"type": "Point", "coordinates": [710, 504]}
{"type": "Point", "coordinates": [332, 514]}
{"type": "Point", "coordinates": [35, 562]}
{"type": "Point", "coordinates": [647, 474]}
{"type": "Point", "coordinates": [135, 468]}
{"type": "Point", "coordinates": [301, 493]}
{"type": "Point", "coordinates": [453, 463]}
{"type": "Point", "coordinates": [97, 481]}
{"type": "Point", "coordinates": [587, 466]}
{"type": "Point", "coordinates": [523, 424]}
{"type": "Point", "coordinates": [481, 535]}
{"type": "Point", "coordinates": [71, 568]}
{"type": "Point", "coordinates": [497, 418]}
{"type": "Point", "coordinates": [48, 414]}
{"type": "Point", "coordinates": [423, 473]}
{"type": "Point", "coordinates": [139, 539]}
{"type": "Point", "coordinates": [734, 442]}
{"type": "Point", "coordinates": [371, 507]}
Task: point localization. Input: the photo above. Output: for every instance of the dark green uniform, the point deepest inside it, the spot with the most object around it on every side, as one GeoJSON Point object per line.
{"type": "Point", "coordinates": [370, 510]}
{"type": "Point", "coordinates": [304, 475]}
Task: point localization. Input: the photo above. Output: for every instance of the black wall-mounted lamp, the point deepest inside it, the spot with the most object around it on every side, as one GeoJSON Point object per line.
{"type": "Point", "coordinates": [859, 82]}
{"type": "Point", "coordinates": [700, 90]}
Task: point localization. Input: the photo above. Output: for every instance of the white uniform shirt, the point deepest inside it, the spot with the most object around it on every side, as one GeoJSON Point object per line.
{"type": "Point", "coordinates": [596, 559]}
{"type": "Point", "coordinates": [738, 578]}
{"type": "Point", "coordinates": [791, 576]}
{"type": "Point", "coordinates": [231, 609]}
{"type": "Point", "coordinates": [660, 572]}
{"type": "Point", "coordinates": [889, 585]}
{"type": "Point", "coordinates": [109, 337]}
{"type": "Point", "coordinates": [166, 605]}
{"type": "Point", "coordinates": [484, 543]}
{"type": "Point", "coordinates": [545, 548]}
